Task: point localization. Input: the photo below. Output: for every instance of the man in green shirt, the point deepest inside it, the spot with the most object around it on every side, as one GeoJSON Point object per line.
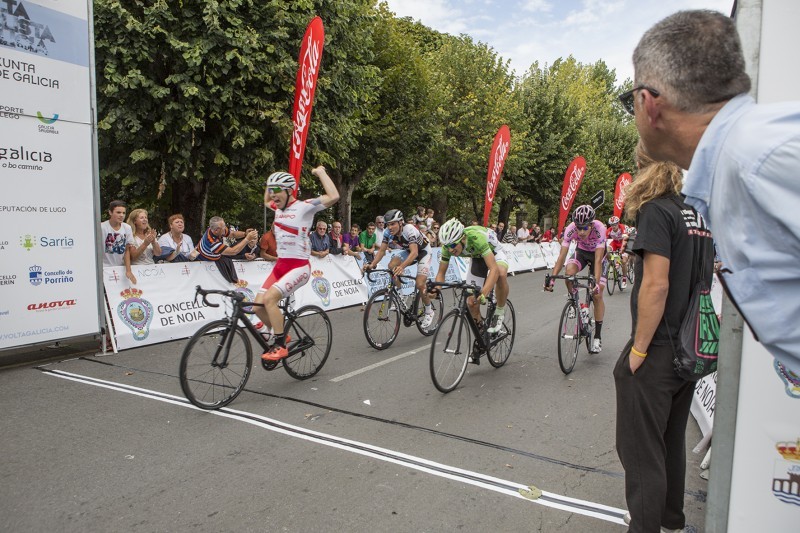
{"type": "Point", "coordinates": [368, 241]}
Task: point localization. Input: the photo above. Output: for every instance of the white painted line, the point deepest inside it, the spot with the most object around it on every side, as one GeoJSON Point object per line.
{"type": "Point", "coordinates": [509, 488]}
{"type": "Point", "coordinates": [376, 365]}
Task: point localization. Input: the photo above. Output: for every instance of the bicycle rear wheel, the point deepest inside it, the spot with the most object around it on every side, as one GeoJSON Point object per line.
{"type": "Point", "coordinates": [381, 319]}
{"type": "Point", "coordinates": [611, 279]}
{"type": "Point", "coordinates": [311, 336]}
{"type": "Point", "coordinates": [631, 275]}
{"type": "Point", "coordinates": [438, 310]}
{"type": "Point", "coordinates": [569, 337]}
{"type": "Point", "coordinates": [502, 342]}
{"type": "Point", "coordinates": [215, 365]}
{"type": "Point", "coordinates": [621, 279]}
{"type": "Point", "coordinates": [452, 342]}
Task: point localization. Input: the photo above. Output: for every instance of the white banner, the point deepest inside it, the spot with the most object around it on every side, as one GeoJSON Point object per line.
{"type": "Point", "coordinates": [48, 248]}
{"type": "Point", "coordinates": [705, 391]}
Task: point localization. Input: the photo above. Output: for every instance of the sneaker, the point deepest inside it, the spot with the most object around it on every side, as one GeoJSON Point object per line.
{"type": "Point", "coordinates": [275, 354]}
{"type": "Point", "coordinates": [498, 323]}
{"type": "Point", "coordinates": [624, 283]}
{"type": "Point", "coordinates": [596, 346]}
{"type": "Point", "coordinates": [427, 320]}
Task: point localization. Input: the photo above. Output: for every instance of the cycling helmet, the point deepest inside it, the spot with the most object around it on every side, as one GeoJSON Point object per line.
{"type": "Point", "coordinates": [613, 220]}
{"type": "Point", "coordinates": [583, 215]}
{"type": "Point", "coordinates": [630, 230]}
{"type": "Point", "coordinates": [284, 180]}
{"type": "Point", "coordinates": [451, 232]}
{"type": "Point", "coordinates": [393, 215]}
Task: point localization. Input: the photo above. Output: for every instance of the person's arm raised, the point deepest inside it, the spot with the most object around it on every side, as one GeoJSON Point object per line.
{"type": "Point", "coordinates": [331, 195]}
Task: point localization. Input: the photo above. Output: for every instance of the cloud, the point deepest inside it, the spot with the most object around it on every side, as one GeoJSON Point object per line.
{"type": "Point", "coordinates": [534, 6]}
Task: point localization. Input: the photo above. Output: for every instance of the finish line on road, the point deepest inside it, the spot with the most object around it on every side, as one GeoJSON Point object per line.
{"type": "Point", "coordinates": [508, 488]}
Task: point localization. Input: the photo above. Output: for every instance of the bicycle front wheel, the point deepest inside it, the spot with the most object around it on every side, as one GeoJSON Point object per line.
{"type": "Point", "coordinates": [452, 342]}
{"type": "Point", "coordinates": [311, 336]}
{"type": "Point", "coordinates": [381, 319]}
{"type": "Point", "coordinates": [502, 342]}
{"type": "Point", "coordinates": [569, 337]}
{"type": "Point", "coordinates": [438, 310]}
{"type": "Point", "coordinates": [611, 279]}
{"type": "Point", "coordinates": [215, 365]}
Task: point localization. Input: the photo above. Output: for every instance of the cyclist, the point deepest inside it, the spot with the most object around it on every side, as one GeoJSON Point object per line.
{"type": "Point", "coordinates": [489, 267]}
{"type": "Point", "coordinates": [617, 234]}
{"type": "Point", "coordinates": [293, 218]}
{"type": "Point", "coordinates": [590, 236]}
{"type": "Point", "coordinates": [414, 249]}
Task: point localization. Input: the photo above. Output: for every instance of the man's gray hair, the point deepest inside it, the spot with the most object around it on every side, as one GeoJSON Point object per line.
{"type": "Point", "coordinates": [214, 222]}
{"type": "Point", "coordinates": [693, 58]}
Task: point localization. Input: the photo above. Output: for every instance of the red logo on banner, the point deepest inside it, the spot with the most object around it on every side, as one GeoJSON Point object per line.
{"type": "Point", "coordinates": [310, 57]}
{"type": "Point", "coordinates": [497, 158]}
{"type": "Point", "coordinates": [623, 181]}
{"type": "Point", "coordinates": [572, 182]}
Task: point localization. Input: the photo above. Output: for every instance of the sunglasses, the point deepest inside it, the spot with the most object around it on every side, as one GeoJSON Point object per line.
{"type": "Point", "coordinates": [452, 246]}
{"type": "Point", "coordinates": [626, 98]}
{"type": "Point", "coordinates": [275, 190]}
{"type": "Point", "coordinates": [582, 228]}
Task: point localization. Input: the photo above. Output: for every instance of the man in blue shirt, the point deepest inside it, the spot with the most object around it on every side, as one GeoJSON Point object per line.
{"type": "Point", "coordinates": [691, 106]}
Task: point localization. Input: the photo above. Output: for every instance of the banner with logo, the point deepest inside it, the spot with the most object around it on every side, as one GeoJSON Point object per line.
{"type": "Point", "coordinates": [623, 181]}
{"type": "Point", "coordinates": [497, 158]}
{"type": "Point", "coordinates": [48, 251]}
{"type": "Point", "coordinates": [306, 84]}
{"type": "Point", "coordinates": [569, 190]}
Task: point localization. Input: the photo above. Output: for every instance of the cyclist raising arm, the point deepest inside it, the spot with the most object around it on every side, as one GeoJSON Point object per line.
{"type": "Point", "coordinates": [293, 218]}
{"type": "Point", "coordinates": [416, 249]}
{"type": "Point", "coordinates": [489, 266]}
{"type": "Point", "coordinates": [590, 235]}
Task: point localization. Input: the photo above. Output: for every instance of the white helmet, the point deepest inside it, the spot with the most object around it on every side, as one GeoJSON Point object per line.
{"type": "Point", "coordinates": [284, 180]}
{"type": "Point", "coordinates": [451, 232]}
{"type": "Point", "coordinates": [393, 215]}
{"type": "Point", "coordinates": [613, 220]}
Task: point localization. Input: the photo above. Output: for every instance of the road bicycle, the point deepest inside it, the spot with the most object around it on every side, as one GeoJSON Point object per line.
{"type": "Point", "coordinates": [387, 306]}
{"type": "Point", "coordinates": [453, 344]}
{"type": "Point", "coordinates": [577, 321]}
{"type": "Point", "coordinates": [216, 362]}
{"type": "Point", "coordinates": [615, 273]}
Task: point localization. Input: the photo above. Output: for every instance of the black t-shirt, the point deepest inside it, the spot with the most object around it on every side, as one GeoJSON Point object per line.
{"type": "Point", "coordinates": [675, 232]}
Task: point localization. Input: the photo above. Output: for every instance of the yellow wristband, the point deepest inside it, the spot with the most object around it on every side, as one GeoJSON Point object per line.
{"type": "Point", "coordinates": [636, 352]}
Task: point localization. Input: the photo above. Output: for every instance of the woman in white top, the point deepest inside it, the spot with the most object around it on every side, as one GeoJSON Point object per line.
{"type": "Point", "coordinates": [180, 243]}
{"type": "Point", "coordinates": [144, 239]}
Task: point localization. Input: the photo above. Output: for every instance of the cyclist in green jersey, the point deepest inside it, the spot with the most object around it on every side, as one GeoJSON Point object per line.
{"type": "Point", "coordinates": [489, 266]}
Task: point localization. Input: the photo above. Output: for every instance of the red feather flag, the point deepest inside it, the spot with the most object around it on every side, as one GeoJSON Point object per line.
{"type": "Point", "coordinates": [572, 183]}
{"type": "Point", "coordinates": [497, 159]}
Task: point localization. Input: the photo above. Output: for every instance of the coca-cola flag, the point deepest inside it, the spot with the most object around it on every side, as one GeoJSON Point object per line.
{"type": "Point", "coordinates": [623, 181]}
{"type": "Point", "coordinates": [307, 72]}
{"type": "Point", "coordinates": [497, 158]}
{"type": "Point", "coordinates": [572, 182]}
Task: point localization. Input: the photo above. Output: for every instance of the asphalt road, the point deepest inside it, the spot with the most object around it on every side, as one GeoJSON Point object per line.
{"type": "Point", "coordinates": [110, 444]}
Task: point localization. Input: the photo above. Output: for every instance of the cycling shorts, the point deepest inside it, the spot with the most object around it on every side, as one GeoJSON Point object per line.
{"type": "Point", "coordinates": [616, 246]}
{"type": "Point", "coordinates": [478, 270]}
{"type": "Point", "coordinates": [423, 260]}
{"type": "Point", "coordinates": [288, 275]}
{"type": "Point", "coordinates": [582, 259]}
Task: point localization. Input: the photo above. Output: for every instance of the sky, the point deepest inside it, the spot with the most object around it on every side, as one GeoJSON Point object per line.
{"type": "Point", "coordinates": [525, 31]}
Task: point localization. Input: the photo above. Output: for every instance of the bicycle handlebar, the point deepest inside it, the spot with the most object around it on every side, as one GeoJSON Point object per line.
{"type": "Point", "coordinates": [388, 271]}
{"type": "Point", "coordinates": [574, 278]}
{"type": "Point", "coordinates": [453, 285]}
{"type": "Point", "coordinates": [200, 291]}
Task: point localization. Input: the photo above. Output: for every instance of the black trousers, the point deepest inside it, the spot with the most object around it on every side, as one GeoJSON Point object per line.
{"type": "Point", "coordinates": [652, 411]}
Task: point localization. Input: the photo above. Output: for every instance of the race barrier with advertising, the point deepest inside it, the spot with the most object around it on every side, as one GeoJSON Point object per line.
{"type": "Point", "coordinates": [161, 306]}
{"type": "Point", "coordinates": [705, 391]}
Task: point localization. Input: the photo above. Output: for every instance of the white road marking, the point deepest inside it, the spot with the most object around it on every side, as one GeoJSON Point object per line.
{"type": "Point", "coordinates": [509, 488]}
{"type": "Point", "coordinates": [379, 364]}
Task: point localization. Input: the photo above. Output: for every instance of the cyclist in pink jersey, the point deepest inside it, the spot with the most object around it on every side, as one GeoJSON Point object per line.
{"type": "Point", "coordinates": [590, 238]}
{"type": "Point", "coordinates": [293, 220]}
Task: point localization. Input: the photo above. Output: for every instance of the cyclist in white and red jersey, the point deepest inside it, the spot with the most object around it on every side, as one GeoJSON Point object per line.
{"type": "Point", "coordinates": [617, 234]}
{"type": "Point", "coordinates": [590, 237]}
{"type": "Point", "coordinates": [415, 249]}
{"type": "Point", "coordinates": [293, 219]}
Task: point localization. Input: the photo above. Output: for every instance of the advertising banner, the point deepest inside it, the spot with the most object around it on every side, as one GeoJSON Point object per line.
{"type": "Point", "coordinates": [623, 181]}
{"type": "Point", "coordinates": [48, 252]}
{"type": "Point", "coordinates": [497, 158]}
{"type": "Point", "coordinates": [305, 85]}
{"type": "Point", "coordinates": [569, 190]}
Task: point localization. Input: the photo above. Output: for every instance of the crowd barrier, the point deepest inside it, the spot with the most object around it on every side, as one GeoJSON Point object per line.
{"type": "Point", "coordinates": [161, 306]}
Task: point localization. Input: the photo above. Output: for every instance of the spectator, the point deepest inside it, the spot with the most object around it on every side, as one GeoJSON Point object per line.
{"type": "Point", "coordinates": [691, 107]}
{"type": "Point", "coordinates": [117, 239]}
{"type": "Point", "coordinates": [501, 231]}
{"type": "Point", "coordinates": [320, 242]}
{"type": "Point", "coordinates": [511, 235]}
{"type": "Point", "coordinates": [429, 218]}
{"type": "Point", "coordinates": [536, 234]}
{"type": "Point", "coordinates": [368, 241]}
{"type": "Point", "coordinates": [548, 235]}
{"type": "Point", "coordinates": [380, 228]}
{"type": "Point", "coordinates": [433, 235]}
{"type": "Point", "coordinates": [493, 229]}
{"type": "Point", "coordinates": [335, 237]}
{"type": "Point", "coordinates": [419, 217]}
{"type": "Point", "coordinates": [523, 233]}
{"type": "Point", "coordinates": [350, 242]}
{"type": "Point", "coordinates": [175, 245]}
{"type": "Point", "coordinates": [145, 245]}
{"type": "Point", "coordinates": [653, 407]}
{"type": "Point", "coordinates": [213, 248]}
{"type": "Point", "coordinates": [250, 252]}
{"type": "Point", "coordinates": [268, 248]}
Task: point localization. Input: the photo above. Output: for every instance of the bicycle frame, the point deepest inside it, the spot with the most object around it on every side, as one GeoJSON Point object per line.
{"type": "Point", "coordinates": [463, 310]}
{"type": "Point", "coordinates": [411, 313]}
